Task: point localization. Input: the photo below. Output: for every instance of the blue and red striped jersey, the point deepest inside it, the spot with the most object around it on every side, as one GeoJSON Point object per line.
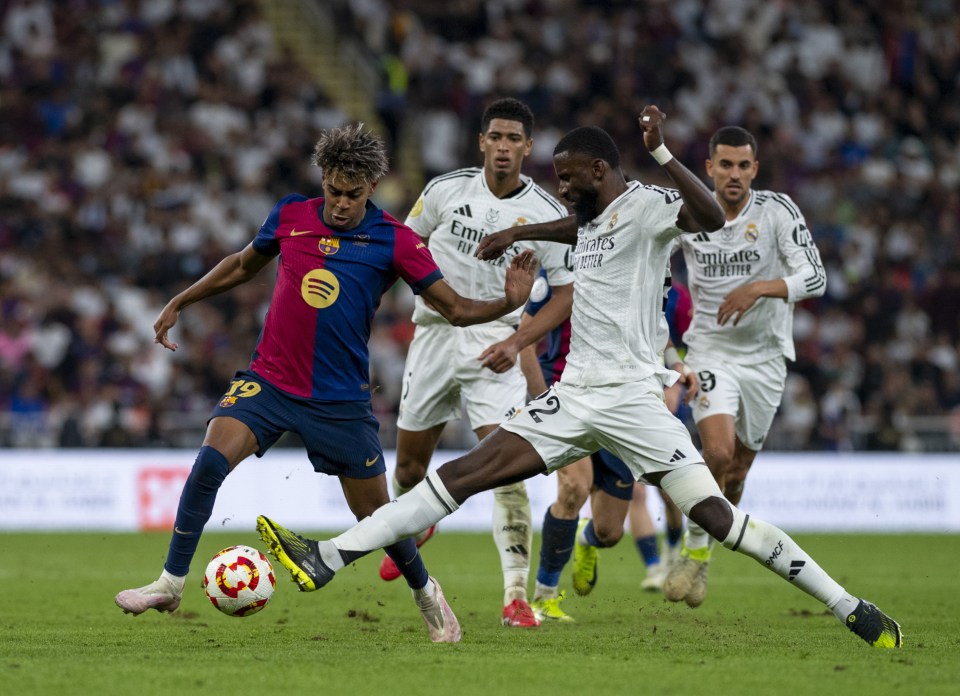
{"type": "Point", "coordinates": [554, 356]}
{"type": "Point", "coordinates": [329, 285]}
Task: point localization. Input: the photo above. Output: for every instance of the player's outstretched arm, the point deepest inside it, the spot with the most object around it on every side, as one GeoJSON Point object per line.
{"type": "Point", "coordinates": [501, 356]}
{"type": "Point", "coordinates": [231, 271]}
{"type": "Point", "coordinates": [700, 211]}
{"type": "Point", "coordinates": [493, 245]}
{"type": "Point", "coordinates": [463, 311]}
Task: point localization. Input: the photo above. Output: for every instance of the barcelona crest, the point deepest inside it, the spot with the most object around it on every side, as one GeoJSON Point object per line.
{"type": "Point", "coordinates": [227, 401]}
{"type": "Point", "coordinates": [329, 245]}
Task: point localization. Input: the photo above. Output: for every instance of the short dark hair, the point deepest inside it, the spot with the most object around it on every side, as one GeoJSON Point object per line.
{"type": "Point", "coordinates": [734, 136]}
{"type": "Point", "coordinates": [509, 109]}
{"type": "Point", "coordinates": [590, 140]}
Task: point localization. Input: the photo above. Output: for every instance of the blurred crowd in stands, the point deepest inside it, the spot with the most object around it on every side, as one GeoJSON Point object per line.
{"type": "Point", "coordinates": [143, 140]}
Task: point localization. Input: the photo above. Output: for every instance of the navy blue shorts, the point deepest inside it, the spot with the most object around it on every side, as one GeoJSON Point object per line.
{"type": "Point", "coordinates": [611, 475]}
{"type": "Point", "coordinates": [341, 436]}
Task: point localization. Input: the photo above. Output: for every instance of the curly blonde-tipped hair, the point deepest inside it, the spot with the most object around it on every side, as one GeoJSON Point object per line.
{"type": "Point", "coordinates": [352, 153]}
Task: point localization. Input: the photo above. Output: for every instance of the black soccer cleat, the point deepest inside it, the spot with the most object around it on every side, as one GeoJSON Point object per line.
{"type": "Point", "coordinates": [875, 627]}
{"type": "Point", "coordinates": [297, 554]}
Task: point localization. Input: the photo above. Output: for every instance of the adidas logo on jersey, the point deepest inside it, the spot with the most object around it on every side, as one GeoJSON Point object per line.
{"type": "Point", "coordinates": [677, 456]}
{"type": "Point", "coordinates": [463, 210]}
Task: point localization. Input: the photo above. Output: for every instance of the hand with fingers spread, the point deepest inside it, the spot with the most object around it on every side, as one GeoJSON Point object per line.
{"type": "Point", "coordinates": [520, 274]}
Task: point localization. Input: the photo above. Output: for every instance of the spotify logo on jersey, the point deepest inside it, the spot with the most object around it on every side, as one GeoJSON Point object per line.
{"type": "Point", "coordinates": [320, 288]}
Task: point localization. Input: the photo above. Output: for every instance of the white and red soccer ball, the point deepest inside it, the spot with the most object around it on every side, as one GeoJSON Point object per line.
{"type": "Point", "coordinates": [239, 581]}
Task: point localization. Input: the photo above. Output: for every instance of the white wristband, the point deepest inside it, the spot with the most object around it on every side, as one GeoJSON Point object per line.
{"type": "Point", "coordinates": [671, 357]}
{"type": "Point", "coordinates": [662, 154]}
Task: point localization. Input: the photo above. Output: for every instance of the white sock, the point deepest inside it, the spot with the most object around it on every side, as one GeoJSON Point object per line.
{"type": "Point", "coordinates": [513, 536]}
{"type": "Point", "coordinates": [176, 581]}
{"type": "Point", "coordinates": [696, 537]}
{"type": "Point", "coordinates": [774, 549]}
{"type": "Point", "coordinates": [541, 591]}
{"type": "Point", "coordinates": [425, 592]}
{"type": "Point", "coordinates": [427, 503]}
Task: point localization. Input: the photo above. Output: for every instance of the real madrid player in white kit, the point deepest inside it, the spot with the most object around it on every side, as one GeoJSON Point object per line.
{"type": "Point", "coordinates": [743, 282]}
{"type": "Point", "coordinates": [479, 364]}
{"type": "Point", "coordinates": [611, 392]}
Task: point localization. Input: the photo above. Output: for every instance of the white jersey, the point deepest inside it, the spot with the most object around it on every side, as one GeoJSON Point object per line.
{"type": "Point", "coordinates": [769, 239]}
{"type": "Point", "coordinates": [619, 264]}
{"type": "Point", "coordinates": [456, 210]}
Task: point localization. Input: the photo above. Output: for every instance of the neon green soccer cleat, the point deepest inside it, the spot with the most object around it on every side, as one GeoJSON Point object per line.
{"type": "Point", "coordinates": [548, 609]}
{"type": "Point", "coordinates": [584, 563]}
{"type": "Point", "coordinates": [295, 553]}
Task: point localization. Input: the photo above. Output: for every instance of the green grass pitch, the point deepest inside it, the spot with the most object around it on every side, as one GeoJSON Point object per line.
{"type": "Point", "coordinates": [60, 632]}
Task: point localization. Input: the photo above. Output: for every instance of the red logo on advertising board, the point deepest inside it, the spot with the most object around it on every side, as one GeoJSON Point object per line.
{"type": "Point", "coordinates": [158, 493]}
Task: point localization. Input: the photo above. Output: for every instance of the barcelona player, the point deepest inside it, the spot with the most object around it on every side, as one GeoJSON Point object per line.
{"type": "Point", "coordinates": [309, 373]}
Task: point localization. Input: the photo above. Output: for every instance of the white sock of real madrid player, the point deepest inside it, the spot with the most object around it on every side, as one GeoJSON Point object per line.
{"type": "Point", "coordinates": [513, 535]}
{"type": "Point", "coordinates": [697, 537]}
{"type": "Point", "coordinates": [426, 504]}
{"type": "Point", "coordinates": [399, 490]}
{"type": "Point", "coordinates": [771, 547]}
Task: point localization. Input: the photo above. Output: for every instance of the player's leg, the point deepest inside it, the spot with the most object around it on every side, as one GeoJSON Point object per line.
{"type": "Point", "coordinates": [364, 496]}
{"type": "Point", "coordinates": [696, 493]}
{"type": "Point", "coordinates": [227, 443]}
{"type": "Point", "coordinates": [498, 460]}
{"type": "Point", "coordinates": [518, 449]}
{"type": "Point", "coordinates": [676, 397]}
{"type": "Point", "coordinates": [733, 424]}
{"type": "Point", "coordinates": [674, 532]}
{"type": "Point", "coordinates": [415, 448]}
{"type": "Point", "coordinates": [490, 398]}
{"type": "Point", "coordinates": [430, 397]}
{"type": "Point", "coordinates": [687, 579]}
{"type": "Point", "coordinates": [558, 536]}
{"type": "Point", "coordinates": [612, 491]}
{"type": "Point", "coordinates": [513, 536]}
{"type": "Point", "coordinates": [644, 535]}
{"type": "Point", "coordinates": [736, 477]}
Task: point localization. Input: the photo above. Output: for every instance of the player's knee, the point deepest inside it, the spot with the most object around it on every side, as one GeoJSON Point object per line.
{"type": "Point", "coordinates": [607, 534]}
{"type": "Point", "coordinates": [409, 471]}
{"type": "Point", "coordinates": [210, 468]}
{"type": "Point", "coordinates": [714, 515]}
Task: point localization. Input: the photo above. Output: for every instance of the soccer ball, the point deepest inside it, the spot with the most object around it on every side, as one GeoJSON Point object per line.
{"type": "Point", "coordinates": [239, 581]}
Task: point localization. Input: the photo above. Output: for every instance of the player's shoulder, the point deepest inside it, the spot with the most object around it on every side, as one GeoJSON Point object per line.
{"type": "Point", "coordinates": [387, 224]}
{"type": "Point", "coordinates": [295, 198]}
{"type": "Point", "coordinates": [542, 198]}
{"type": "Point", "coordinates": [637, 190]}
{"type": "Point", "coordinates": [451, 180]}
{"type": "Point", "coordinates": [776, 203]}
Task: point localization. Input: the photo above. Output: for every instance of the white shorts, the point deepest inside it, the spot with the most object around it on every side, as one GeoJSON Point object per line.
{"type": "Point", "coordinates": [629, 420]}
{"type": "Point", "coordinates": [749, 393]}
{"type": "Point", "coordinates": [442, 368]}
